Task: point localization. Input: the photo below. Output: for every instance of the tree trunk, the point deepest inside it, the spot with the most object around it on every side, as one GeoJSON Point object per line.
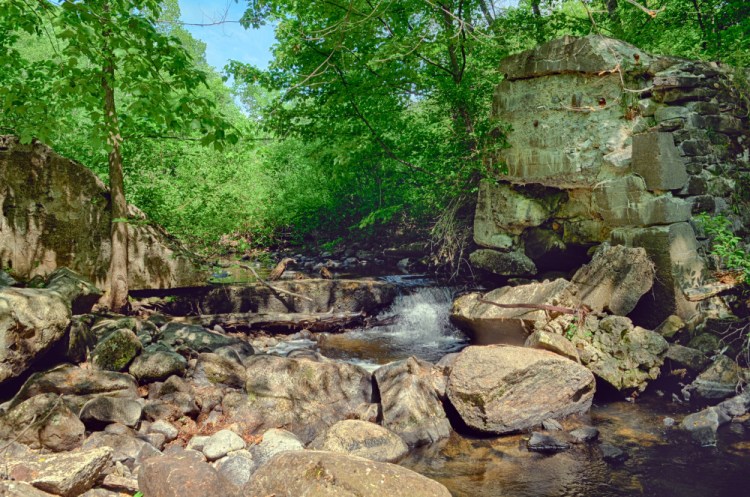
{"type": "Point", "coordinates": [117, 294]}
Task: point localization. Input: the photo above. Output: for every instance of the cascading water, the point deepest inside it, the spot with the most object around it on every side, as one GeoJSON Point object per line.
{"type": "Point", "coordinates": [417, 323]}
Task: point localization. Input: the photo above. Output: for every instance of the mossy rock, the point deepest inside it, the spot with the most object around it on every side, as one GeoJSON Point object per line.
{"type": "Point", "coordinates": [116, 351]}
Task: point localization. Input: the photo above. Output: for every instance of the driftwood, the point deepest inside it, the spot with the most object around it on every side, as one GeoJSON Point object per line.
{"type": "Point", "coordinates": [280, 268]}
{"type": "Point", "coordinates": [707, 291]}
{"type": "Point", "coordinates": [264, 282]}
{"type": "Point", "coordinates": [278, 321]}
{"type": "Point", "coordinates": [580, 312]}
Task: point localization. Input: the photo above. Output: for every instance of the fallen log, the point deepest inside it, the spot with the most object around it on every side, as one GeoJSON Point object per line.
{"type": "Point", "coordinates": [278, 321]}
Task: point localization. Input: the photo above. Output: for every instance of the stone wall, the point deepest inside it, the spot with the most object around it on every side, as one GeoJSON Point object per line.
{"type": "Point", "coordinates": [56, 213]}
{"type": "Point", "coordinates": [610, 144]}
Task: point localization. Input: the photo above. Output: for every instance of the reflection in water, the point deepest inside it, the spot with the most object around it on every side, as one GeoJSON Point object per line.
{"type": "Point", "coordinates": [418, 324]}
{"type": "Point", "coordinates": [663, 463]}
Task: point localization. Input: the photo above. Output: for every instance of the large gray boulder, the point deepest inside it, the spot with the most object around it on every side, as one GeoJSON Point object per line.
{"type": "Point", "coordinates": [57, 214]}
{"type": "Point", "coordinates": [615, 279]}
{"type": "Point", "coordinates": [502, 389]}
{"type": "Point", "coordinates": [31, 322]}
{"type": "Point", "coordinates": [513, 263]}
{"type": "Point", "coordinates": [77, 385]}
{"type": "Point", "coordinates": [329, 474]}
{"type": "Point", "coordinates": [302, 395]}
{"type": "Point", "coordinates": [411, 406]}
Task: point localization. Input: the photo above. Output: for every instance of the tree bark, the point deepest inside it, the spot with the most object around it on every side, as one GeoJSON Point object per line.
{"type": "Point", "coordinates": [117, 294]}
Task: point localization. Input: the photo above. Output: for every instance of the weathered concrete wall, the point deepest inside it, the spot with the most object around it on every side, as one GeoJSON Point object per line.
{"type": "Point", "coordinates": [609, 143]}
{"type": "Point", "coordinates": [56, 213]}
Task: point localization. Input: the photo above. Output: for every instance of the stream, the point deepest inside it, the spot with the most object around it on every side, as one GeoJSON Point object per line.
{"type": "Point", "coordinates": [662, 461]}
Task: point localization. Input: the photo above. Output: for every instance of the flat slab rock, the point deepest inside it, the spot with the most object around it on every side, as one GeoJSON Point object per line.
{"type": "Point", "coordinates": [502, 389]}
{"type": "Point", "coordinates": [328, 474]}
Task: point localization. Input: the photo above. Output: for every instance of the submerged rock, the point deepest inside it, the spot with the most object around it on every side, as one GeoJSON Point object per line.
{"type": "Point", "coordinates": [501, 389]}
{"type": "Point", "coordinates": [409, 396]}
{"type": "Point", "coordinates": [540, 442]}
{"type": "Point", "coordinates": [328, 474]}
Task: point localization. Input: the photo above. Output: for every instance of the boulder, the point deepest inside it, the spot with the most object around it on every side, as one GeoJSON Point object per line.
{"type": "Point", "coordinates": [68, 475]}
{"type": "Point", "coordinates": [43, 421]}
{"type": "Point", "coordinates": [32, 321]}
{"type": "Point", "coordinates": [328, 474]}
{"type": "Point", "coordinates": [213, 368]}
{"type": "Point", "coordinates": [502, 389]}
{"type": "Point", "coordinates": [197, 338]}
{"type": "Point", "coordinates": [157, 365]}
{"type": "Point", "coordinates": [554, 343]}
{"type": "Point", "coordinates": [183, 474]}
{"type": "Point", "coordinates": [75, 289]}
{"type": "Point", "coordinates": [77, 385]}
{"type": "Point", "coordinates": [503, 263]}
{"type": "Point", "coordinates": [693, 360]}
{"type": "Point", "coordinates": [274, 442]}
{"type": "Point", "coordinates": [584, 434]}
{"type": "Point", "coordinates": [236, 468]}
{"type": "Point", "coordinates": [503, 211]}
{"type": "Point", "coordinates": [673, 249]}
{"type": "Point", "coordinates": [104, 410]}
{"type": "Point", "coordinates": [80, 339]}
{"type": "Point", "coordinates": [719, 381]}
{"type": "Point", "coordinates": [615, 279]}
{"type": "Point", "coordinates": [625, 356]}
{"type": "Point", "coordinates": [411, 406]}
{"type": "Point", "coordinates": [222, 443]}
{"type": "Point", "coordinates": [125, 448]}
{"type": "Point", "coordinates": [56, 213]}
{"type": "Point", "coordinates": [20, 489]}
{"type": "Point", "coordinates": [116, 351]}
{"type": "Point", "coordinates": [363, 439]}
{"type": "Point", "coordinates": [488, 324]}
{"type": "Point", "coordinates": [302, 395]}
{"type": "Point", "coordinates": [703, 425]}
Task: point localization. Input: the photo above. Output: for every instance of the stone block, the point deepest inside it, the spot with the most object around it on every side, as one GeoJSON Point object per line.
{"type": "Point", "coordinates": [673, 112]}
{"type": "Point", "coordinates": [673, 249]}
{"type": "Point", "coordinates": [658, 162]}
{"type": "Point", "coordinates": [503, 263]}
{"type": "Point", "coordinates": [625, 202]}
{"type": "Point", "coordinates": [502, 211]}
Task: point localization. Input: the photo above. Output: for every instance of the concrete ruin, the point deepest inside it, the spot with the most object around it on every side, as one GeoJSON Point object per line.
{"type": "Point", "coordinates": [610, 144]}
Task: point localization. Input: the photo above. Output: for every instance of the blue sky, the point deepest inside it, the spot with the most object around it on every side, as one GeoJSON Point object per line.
{"type": "Point", "coordinates": [228, 41]}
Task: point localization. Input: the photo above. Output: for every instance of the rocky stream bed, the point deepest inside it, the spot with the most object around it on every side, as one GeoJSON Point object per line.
{"type": "Point", "coordinates": [396, 402]}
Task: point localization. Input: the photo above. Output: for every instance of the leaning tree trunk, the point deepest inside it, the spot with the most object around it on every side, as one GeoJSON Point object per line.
{"type": "Point", "coordinates": [117, 294]}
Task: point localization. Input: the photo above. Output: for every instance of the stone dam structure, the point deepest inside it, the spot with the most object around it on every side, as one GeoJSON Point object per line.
{"type": "Point", "coordinates": [610, 144]}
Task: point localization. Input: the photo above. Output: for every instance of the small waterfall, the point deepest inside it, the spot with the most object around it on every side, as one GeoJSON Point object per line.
{"type": "Point", "coordinates": [417, 323]}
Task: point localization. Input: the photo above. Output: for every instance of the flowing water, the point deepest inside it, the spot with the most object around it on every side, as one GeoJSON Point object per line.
{"type": "Point", "coordinates": [662, 461]}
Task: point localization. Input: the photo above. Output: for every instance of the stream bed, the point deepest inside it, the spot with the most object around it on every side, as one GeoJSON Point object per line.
{"type": "Point", "coordinates": [662, 460]}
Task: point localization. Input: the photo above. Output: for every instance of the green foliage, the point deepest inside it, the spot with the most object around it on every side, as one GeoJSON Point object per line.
{"type": "Point", "coordinates": [725, 245]}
